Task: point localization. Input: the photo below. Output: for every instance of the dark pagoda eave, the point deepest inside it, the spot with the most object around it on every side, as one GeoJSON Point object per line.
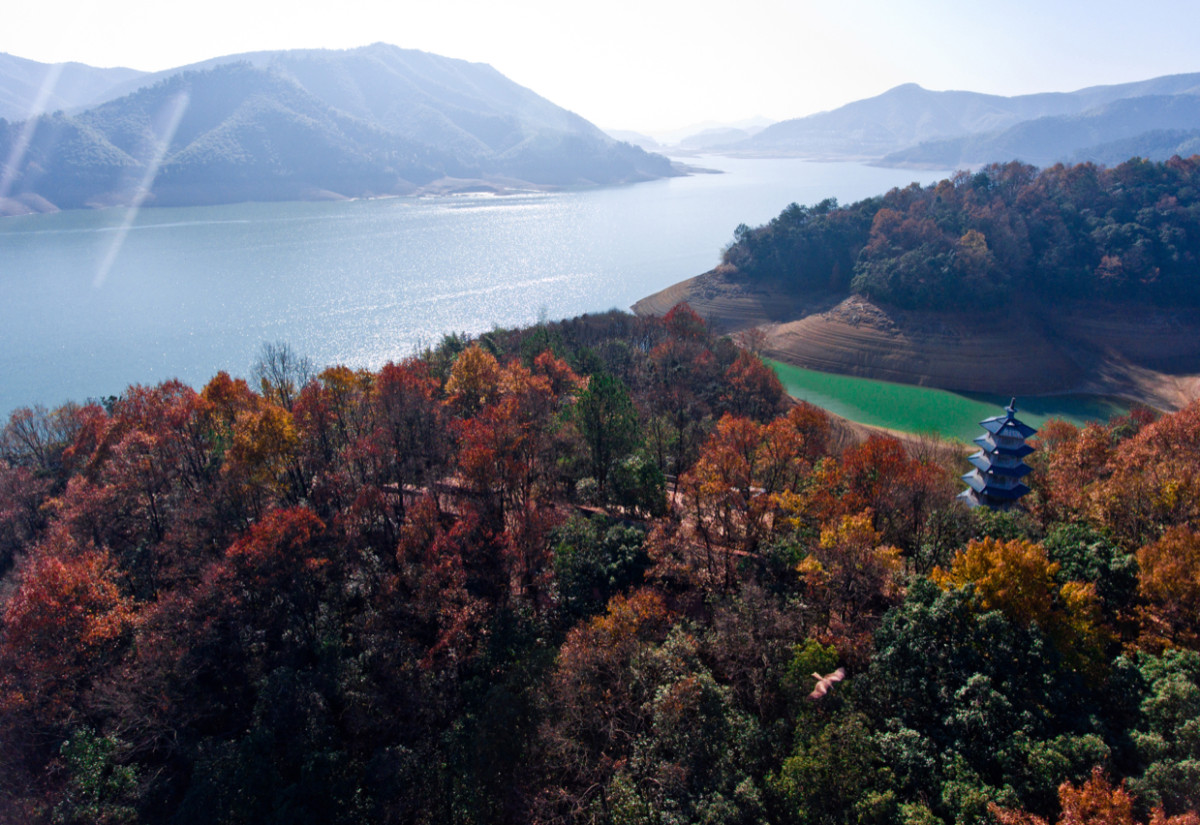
{"type": "Point", "coordinates": [997, 424]}
{"type": "Point", "coordinates": [985, 465]}
{"type": "Point", "coordinates": [1005, 493]}
{"type": "Point", "coordinates": [989, 445]}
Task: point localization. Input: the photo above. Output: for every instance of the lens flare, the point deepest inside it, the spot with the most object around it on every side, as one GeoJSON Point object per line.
{"type": "Point", "coordinates": [17, 154]}
{"type": "Point", "coordinates": [168, 123]}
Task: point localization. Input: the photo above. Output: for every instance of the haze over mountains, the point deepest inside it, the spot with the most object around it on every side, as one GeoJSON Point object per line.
{"type": "Point", "coordinates": [380, 120]}
{"type": "Point", "coordinates": [911, 125]}
{"type": "Point", "coordinates": [23, 82]}
{"type": "Point", "coordinates": [377, 120]}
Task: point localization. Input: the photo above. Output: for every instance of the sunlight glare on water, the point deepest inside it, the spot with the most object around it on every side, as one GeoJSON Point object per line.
{"type": "Point", "coordinates": [196, 290]}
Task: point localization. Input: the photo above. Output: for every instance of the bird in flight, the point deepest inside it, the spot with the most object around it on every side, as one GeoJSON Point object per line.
{"type": "Point", "coordinates": [824, 683]}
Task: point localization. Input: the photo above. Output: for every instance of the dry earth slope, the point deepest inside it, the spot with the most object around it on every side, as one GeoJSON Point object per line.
{"type": "Point", "coordinates": [1150, 355]}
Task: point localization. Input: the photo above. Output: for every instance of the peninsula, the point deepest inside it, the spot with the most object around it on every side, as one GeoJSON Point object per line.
{"type": "Point", "coordinates": [1075, 279]}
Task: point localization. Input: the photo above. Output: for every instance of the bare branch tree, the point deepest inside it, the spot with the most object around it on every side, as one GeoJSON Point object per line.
{"type": "Point", "coordinates": [282, 372]}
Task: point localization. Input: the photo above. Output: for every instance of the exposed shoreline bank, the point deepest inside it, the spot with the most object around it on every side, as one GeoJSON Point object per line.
{"type": "Point", "coordinates": [1150, 355]}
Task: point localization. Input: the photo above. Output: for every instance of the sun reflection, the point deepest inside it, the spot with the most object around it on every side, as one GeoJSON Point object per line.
{"type": "Point", "coordinates": [168, 122]}
{"type": "Point", "coordinates": [21, 145]}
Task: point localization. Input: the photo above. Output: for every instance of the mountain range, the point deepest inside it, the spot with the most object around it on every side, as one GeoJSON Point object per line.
{"type": "Point", "coordinates": [909, 125]}
{"type": "Point", "coordinates": [377, 120]}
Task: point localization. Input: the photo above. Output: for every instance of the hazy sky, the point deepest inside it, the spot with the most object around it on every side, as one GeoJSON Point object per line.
{"type": "Point", "coordinates": [655, 65]}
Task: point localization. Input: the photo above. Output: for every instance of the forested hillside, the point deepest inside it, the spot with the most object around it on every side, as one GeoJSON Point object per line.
{"type": "Point", "coordinates": [911, 125]}
{"type": "Point", "coordinates": [582, 572]}
{"type": "Point", "coordinates": [1138, 123]}
{"type": "Point", "coordinates": [1003, 234]}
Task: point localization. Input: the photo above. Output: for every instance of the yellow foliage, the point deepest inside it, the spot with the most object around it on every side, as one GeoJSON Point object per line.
{"type": "Point", "coordinates": [1014, 577]}
{"type": "Point", "coordinates": [474, 379]}
{"type": "Point", "coordinates": [857, 571]}
{"type": "Point", "coordinates": [1017, 578]}
{"type": "Point", "coordinates": [852, 531]}
{"type": "Point", "coordinates": [811, 571]}
{"type": "Point", "coordinates": [264, 439]}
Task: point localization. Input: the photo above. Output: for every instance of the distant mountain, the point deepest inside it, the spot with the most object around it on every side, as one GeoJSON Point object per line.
{"type": "Point", "coordinates": [715, 138]}
{"type": "Point", "coordinates": [676, 137]}
{"type": "Point", "coordinates": [1160, 144]}
{"type": "Point", "coordinates": [908, 115]}
{"type": "Point", "coordinates": [303, 124]}
{"type": "Point", "coordinates": [28, 87]}
{"type": "Point", "coordinates": [636, 138]}
{"type": "Point", "coordinates": [1108, 134]}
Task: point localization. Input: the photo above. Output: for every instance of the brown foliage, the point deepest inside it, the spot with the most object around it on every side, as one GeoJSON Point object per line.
{"type": "Point", "coordinates": [1170, 587]}
{"type": "Point", "coordinates": [1095, 802]}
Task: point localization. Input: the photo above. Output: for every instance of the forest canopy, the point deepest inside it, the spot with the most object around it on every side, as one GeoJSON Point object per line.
{"type": "Point", "coordinates": [591, 571]}
{"type": "Point", "coordinates": [1007, 232]}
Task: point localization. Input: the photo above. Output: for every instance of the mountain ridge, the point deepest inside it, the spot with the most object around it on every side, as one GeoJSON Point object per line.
{"type": "Point", "coordinates": [378, 120]}
{"type": "Point", "coordinates": [1047, 140]}
{"type": "Point", "coordinates": [28, 86]}
{"type": "Point", "coordinates": [908, 115]}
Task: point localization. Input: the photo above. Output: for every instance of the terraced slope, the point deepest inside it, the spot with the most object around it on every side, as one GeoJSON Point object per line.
{"type": "Point", "coordinates": [1150, 355]}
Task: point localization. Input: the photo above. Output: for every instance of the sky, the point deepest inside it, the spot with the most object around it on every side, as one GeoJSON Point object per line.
{"type": "Point", "coordinates": [659, 65]}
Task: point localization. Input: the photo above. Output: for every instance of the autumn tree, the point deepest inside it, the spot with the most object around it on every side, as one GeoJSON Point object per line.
{"type": "Point", "coordinates": [683, 322]}
{"type": "Point", "coordinates": [1017, 578]}
{"type": "Point", "coordinates": [1155, 479]}
{"type": "Point", "coordinates": [878, 474]}
{"type": "Point", "coordinates": [599, 694]}
{"type": "Point", "coordinates": [435, 596]}
{"type": "Point", "coordinates": [21, 496]}
{"type": "Point", "coordinates": [474, 380]}
{"type": "Point", "coordinates": [1094, 802]}
{"type": "Point", "coordinates": [263, 449]}
{"type": "Point", "coordinates": [1169, 584]}
{"type": "Point", "coordinates": [409, 431]}
{"type": "Point", "coordinates": [754, 390]}
{"type": "Point", "coordinates": [854, 570]}
{"type": "Point", "coordinates": [282, 373]}
{"type": "Point", "coordinates": [66, 622]}
{"type": "Point", "coordinates": [508, 450]}
{"type": "Point", "coordinates": [678, 371]}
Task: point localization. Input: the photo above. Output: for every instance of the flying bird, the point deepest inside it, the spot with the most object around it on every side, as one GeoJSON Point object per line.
{"type": "Point", "coordinates": [824, 683]}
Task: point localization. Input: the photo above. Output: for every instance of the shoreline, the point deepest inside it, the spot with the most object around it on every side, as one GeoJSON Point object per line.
{"type": "Point", "coordinates": [1142, 354]}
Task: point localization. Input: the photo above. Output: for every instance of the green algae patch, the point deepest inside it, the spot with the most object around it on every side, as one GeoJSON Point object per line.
{"type": "Point", "coordinates": [927, 410]}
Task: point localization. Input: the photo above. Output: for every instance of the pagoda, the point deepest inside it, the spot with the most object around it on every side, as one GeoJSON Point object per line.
{"type": "Point", "coordinates": [999, 465]}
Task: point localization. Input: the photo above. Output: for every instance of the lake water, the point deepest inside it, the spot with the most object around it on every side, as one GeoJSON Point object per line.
{"type": "Point", "coordinates": [927, 410]}
{"type": "Point", "coordinates": [91, 301]}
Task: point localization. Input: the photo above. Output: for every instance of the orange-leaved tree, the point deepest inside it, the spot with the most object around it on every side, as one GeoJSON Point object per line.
{"type": "Point", "coordinates": [854, 569]}
{"type": "Point", "coordinates": [474, 380]}
{"type": "Point", "coordinates": [1017, 578]}
{"type": "Point", "coordinates": [65, 623]}
{"type": "Point", "coordinates": [1169, 583]}
{"type": "Point", "coordinates": [1095, 802]}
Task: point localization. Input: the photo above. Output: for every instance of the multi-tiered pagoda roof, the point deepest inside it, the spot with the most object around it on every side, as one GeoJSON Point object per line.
{"type": "Point", "coordinates": [999, 467]}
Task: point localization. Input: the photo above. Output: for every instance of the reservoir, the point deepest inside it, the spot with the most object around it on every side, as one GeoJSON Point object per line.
{"type": "Point", "coordinates": [928, 410]}
{"type": "Point", "coordinates": [93, 301]}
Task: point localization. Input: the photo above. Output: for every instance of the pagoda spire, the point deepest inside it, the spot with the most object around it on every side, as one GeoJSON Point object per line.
{"type": "Point", "coordinates": [999, 464]}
